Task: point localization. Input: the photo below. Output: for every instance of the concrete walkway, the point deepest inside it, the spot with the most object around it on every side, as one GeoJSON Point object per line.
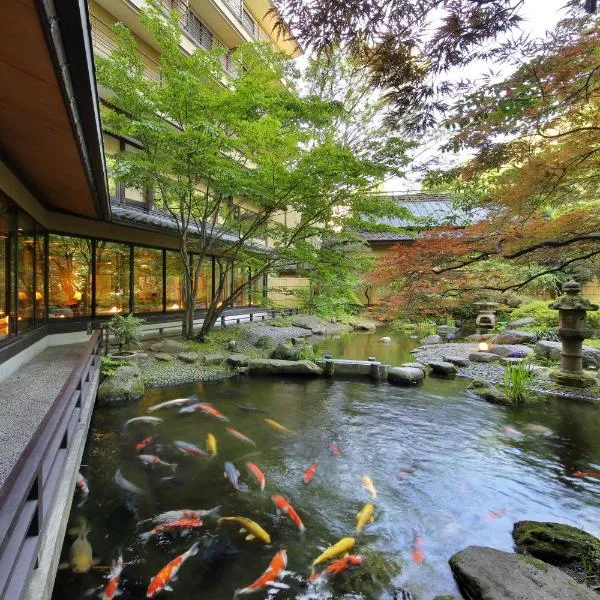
{"type": "Point", "coordinates": [25, 397]}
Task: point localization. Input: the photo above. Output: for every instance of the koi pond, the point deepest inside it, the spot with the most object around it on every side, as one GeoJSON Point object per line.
{"type": "Point", "coordinates": [449, 470]}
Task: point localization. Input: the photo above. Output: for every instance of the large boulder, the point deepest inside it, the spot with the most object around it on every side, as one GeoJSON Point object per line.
{"type": "Point", "coordinates": [489, 392]}
{"type": "Point", "coordinates": [307, 322]}
{"type": "Point", "coordinates": [557, 544]}
{"type": "Point", "coordinates": [516, 350]}
{"type": "Point", "coordinates": [406, 375]}
{"type": "Point", "coordinates": [238, 360]}
{"type": "Point", "coordinates": [271, 366]}
{"type": "Point", "coordinates": [266, 341]}
{"type": "Point", "coordinates": [285, 352]}
{"type": "Point", "coordinates": [521, 322]}
{"type": "Point", "coordinates": [515, 336]}
{"type": "Point", "coordinates": [483, 357]}
{"type": "Point", "coordinates": [552, 350]}
{"type": "Point", "coordinates": [488, 574]}
{"type": "Point", "coordinates": [125, 385]}
{"type": "Point", "coordinates": [479, 337]}
{"type": "Point", "coordinates": [440, 367]}
{"type": "Point", "coordinates": [364, 326]}
{"type": "Point", "coordinates": [430, 340]}
{"type": "Point", "coordinates": [169, 346]}
{"type": "Point", "coordinates": [188, 357]}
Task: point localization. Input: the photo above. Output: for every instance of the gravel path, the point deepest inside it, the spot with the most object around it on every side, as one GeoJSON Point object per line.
{"type": "Point", "coordinates": [252, 331]}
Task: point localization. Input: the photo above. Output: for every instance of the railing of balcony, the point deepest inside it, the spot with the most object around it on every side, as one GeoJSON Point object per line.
{"type": "Point", "coordinates": [244, 17]}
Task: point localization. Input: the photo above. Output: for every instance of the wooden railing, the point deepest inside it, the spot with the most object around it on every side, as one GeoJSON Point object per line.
{"type": "Point", "coordinates": [27, 496]}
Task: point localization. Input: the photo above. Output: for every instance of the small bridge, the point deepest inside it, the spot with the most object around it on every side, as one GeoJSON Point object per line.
{"type": "Point", "coordinates": [340, 367]}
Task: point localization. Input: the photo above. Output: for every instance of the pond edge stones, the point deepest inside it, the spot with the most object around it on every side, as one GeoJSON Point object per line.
{"type": "Point", "coordinates": [442, 368]}
{"type": "Point", "coordinates": [126, 385]}
{"type": "Point", "coordinates": [406, 375]}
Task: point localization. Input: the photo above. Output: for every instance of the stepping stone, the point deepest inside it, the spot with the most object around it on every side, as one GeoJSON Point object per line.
{"type": "Point", "coordinates": [188, 357]}
{"type": "Point", "coordinates": [415, 365]}
{"type": "Point", "coordinates": [483, 357]}
{"type": "Point", "coordinates": [214, 359]}
{"type": "Point", "coordinates": [238, 360]}
{"type": "Point", "coordinates": [406, 375]}
{"type": "Point", "coordinates": [442, 368]}
{"type": "Point", "coordinates": [163, 356]}
{"type": "Point", "coordinates": [459, 361]}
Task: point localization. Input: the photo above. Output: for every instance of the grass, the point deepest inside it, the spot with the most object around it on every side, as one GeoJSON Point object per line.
{"type": "Point", "coordinates": [517, 381]}
{"type": "Point", "coordinates": [593, 343]}
{"type": "Point", "coordinates": [426, 327]}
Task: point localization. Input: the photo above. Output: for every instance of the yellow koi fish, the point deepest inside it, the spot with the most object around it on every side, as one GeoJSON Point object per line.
{"type": "Point", "coordinates": [80, 554]}
{"type": "Point", "coordinates": [278, 426]}
{"type": "Point", "coordinates": [340, 548]}
{"type": "Point", "coordinates": [368, 485]}
{"type": "Point", "coordinates": [211, 444]}
{"type": "Point", "coordinates": [255, 531]}
{"type": "Point", "coordinates": [364, 516]}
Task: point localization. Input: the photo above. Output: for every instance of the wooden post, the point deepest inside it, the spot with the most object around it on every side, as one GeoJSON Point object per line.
{"type": "Point", "coordinates": [329, 367]}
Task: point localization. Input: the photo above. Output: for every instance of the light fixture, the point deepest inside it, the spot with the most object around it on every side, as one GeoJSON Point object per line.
{"type": "Point", "coordinates": [483, 347]}
{"type": "Point", "coordinates": [174, 306]}
{"type": "Point", "coordinates": [115, 309]}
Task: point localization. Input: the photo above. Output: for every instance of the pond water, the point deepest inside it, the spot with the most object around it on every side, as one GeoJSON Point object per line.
{"type": "Point", "coordinates": [442, 462]}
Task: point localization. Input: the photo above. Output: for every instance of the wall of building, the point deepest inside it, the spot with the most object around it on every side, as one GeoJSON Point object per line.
{"type": "Point", "coordinates": [591, 291]}
{"type": "Point", "coordinates": [281, 290]}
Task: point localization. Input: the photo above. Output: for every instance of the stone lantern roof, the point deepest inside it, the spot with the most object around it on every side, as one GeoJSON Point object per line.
{"type": "Point", "coordinates": [572, 300]}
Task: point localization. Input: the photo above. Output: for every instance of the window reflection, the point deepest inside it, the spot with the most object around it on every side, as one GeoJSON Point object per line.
{"type": "Point", "coordinates": [69, 285]}
{"type": "Point", "coordinates": [204, 290]}
{"type": "Point", "coordinates": [147, 280]}
{"type": "Point", "coordinates": [40, 275]}
{"type": "Point", "coordinates": [25, 270]}
{"type": "Point", "coordinates": [4, 267]}
{"type": "Point", "coordinates": [112, 278]}
{"type": "Point", "coordinates": [175, 282]}
{"type": "Point", "coordinates": [240, 277]}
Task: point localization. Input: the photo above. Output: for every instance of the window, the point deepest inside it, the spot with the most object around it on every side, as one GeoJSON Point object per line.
{"type": "Point", "coordinates": [147, 280]}
{"type": "Point", "coordinates": [112, 278]}
{"type": "Point", "coordinates": [25, 272]}
{"type": "Point", "coordinates": [70, 280]}
{"type": "Point", "coordinates": [5, 218]}
{"type": "Point", "coordinates": [223, 267]}
{"type": "Point", "coordinates": [204, 290]}
{"type": "Point", "coordinates": [198, 31]}
{"type": "Point", "coordinates": [240, 277]}
{"type": "Point", "coordinates": [40, 275]}
{"type": "Point", "coordinates": [175, 282]}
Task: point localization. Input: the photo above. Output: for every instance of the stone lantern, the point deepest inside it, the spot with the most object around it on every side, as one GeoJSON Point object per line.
{"type": "Point", "coordinates": [487, 314]}
{"type": "Point", "coordinates": [572, 330]}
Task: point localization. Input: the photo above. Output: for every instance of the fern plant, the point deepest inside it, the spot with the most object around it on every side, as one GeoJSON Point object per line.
{"type": "Point", "coordinates": [517, 381]}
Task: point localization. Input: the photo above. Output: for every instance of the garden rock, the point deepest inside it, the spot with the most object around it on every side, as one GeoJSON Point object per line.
{"type": "Point", "coordinates": [285, 352]}
{"type": "Point", "coordinates": [483, 357]}
{"type": "Point", "coordinates": [188, 357]}
{"type": "Point", "coordinates": [385, 340]}
{"type": "Point", "coordinates": [444, 368]}
{"type": "Point", "coordinates": [232, 345]}
{"type": "Point", "coordinates": [265, 341]}
{"type": "Point", "coordinates": [170, 346]}
{"type": "Point", "coordinates": [416, 365]}
{"type": "Point", "coordinates": [125, 385]}
{"type": "Point", "coordinates": [488, 392]}
{"type": "Point", "coordinates": [479, 337]}
{"type": "Point", "coordinates": [271, 366]}
{"type": "Point", "coordinates": [430, 340]}
{"type": "Point", "coordinates": [517, 350]}
{"type": "Point", "coordinates": [446, 597]}
{"type": "Point", "coordinates": [459, 361]}
{"type": "Point", "coordinates": [489, 574]}
{"type": "Point", "coordinates": [521, 322]}
{"type": "Point", "coordinates": [364, 326]}
{"type": "Point", "coordinates": [515, 336]}
{"type": "Point", "coordinates": [307, 322]}
{"type": "Point", "coordinates": [406, 375]}
{"type": "Point", "coordinates": [238, 360]}
{"type": "Point", "coordinates": [552, 350]}
{"type": "Point", "coordinates": [213, 359]}
{"type": "Point", "coordinates": [163, 356]}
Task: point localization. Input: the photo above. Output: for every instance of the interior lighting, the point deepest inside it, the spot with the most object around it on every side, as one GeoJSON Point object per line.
{"type": "Point", "coordinates": [174, 306]}
{"type": "Point", "coordinates": [483, 347]}
{"type": "Point", "coordinates": [115, 309]}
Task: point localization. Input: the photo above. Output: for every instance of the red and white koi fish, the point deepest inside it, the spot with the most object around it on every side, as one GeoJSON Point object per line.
{"type": "Point", "coordinates": [417, 554]}
{"type": "Point", "coordinates": [584, 474]}
{"type": "Point", "coordinates": [239, 436]}
{"type": "Point", "coordinates": [81, 484]}
{"type": "Point", "coordinates": [111, 589]}
{"type": "Point", "coordinates": [172, 526]}
{"type": "Point", "coordinates": [257, 474]}
{"type": "Point", "coordinates": [170, 403]}
{"type": "Point", "coordinates": [154, 461]}
{"type": "Point", "coordinates": [310, 472]}
{"type": "Point", "coordinates": [335, 450]}
{"type": "Point", "coordinates": [143, 444]}
{"type": "Point", "coordinates": [162, 579]}
{"type": "Point", "coordinates": [495, 514]}
{"type": "Point", "coordinates": [268, 578]}
{"type": "Point", "coordinates": [404, 473]}
{"type": "Point", "coordinates": [175, 515]}
{"type": "Point", "coordinates": [188, 448]}
{"type": "Point", "coordinates": [283, 506]}
{"type": "Point", "coordinates": [337, 567]}
{"type": "Point", "coordinates": [207, 409]}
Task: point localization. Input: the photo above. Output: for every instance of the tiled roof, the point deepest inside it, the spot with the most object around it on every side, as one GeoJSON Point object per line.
{"type": "Point", "coordinates": [384, 236]}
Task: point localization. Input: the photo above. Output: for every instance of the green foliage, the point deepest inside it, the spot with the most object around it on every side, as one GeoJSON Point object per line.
{"type": "Point", "coordinates": [109, 365]}
{"type": "Point", "coordinates": [450, 322]}
{"type": "Point", "coordinates": [517, 381]}
{"type": "Point", "coordinates": [306, 353]}
{"type": "Point", "coordinates": [545, 317]}
{"type": "Point", "coordinates": [402, 326]}
{"type": "Point", "coordinates": [126, 329]}
{"type": "Point", "coordinates": [426, 327]}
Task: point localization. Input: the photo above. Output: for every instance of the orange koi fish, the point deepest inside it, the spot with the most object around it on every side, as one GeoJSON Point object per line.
{"type": "Point", "coordinates": [310, 472]}
{"type": "Point", "coordinates": [111, 589]}
{"type": "Point", "coordinates": [334, 449]}
{"type": "Point", "coordinates": [258, 475]}
{"type": "Point", "coordinates": [172, 526]}
{"type": "Point", "coordinates": [142, 445]}
{"type": "Point", "coordinates": [207, 409]}
{"type": "Point", "coordinates": [337, 567]}
{"type": "Point", "coordinates": [168, 572]}
{"type": "Point", "coordinates": [283, 506]}
{"type": "Point", "coordinates": [240, 436]}
{"type": "Point", "coordinates": [417, 554]}
{"type": "Point", "coordinates": [495, 514]}
{"type": "Point", "coordinates": [268, 578]}
{"type": "Point", "coordinates": [583, 474]}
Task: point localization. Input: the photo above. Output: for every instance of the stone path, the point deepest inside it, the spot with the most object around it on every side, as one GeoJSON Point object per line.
{"type": "Point", "coordinates": [25, 397]}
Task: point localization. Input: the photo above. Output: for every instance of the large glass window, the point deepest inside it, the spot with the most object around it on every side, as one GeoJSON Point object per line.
{"type": "Point", "coordinates": [204, 290]}
{"type": "Point", "coordinates": [40, 275]}
{"type": "Point", "coordinates": [5, 217]}
{"type": "Point", "coordinates": [112, 278]}
{"type": "Point", "coordinates": [148, 280]}
{"type": "Point", "coordinates": [175, 281]}
{"type": "Point", "coordinates": [70, 280]}
{"type": "Point", "coordinates": [240, 277]}
{"type": "Point", "coordinates": [25, 271]}
{"type": "Point", "coordinates": [223, 267]}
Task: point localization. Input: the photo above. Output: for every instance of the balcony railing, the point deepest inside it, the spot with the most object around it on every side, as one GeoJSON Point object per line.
{"type": "Point", "coordinates": [244, 17]}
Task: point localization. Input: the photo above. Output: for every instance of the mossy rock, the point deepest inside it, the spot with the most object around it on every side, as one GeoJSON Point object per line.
{"type": "Point", "coordinates": [127, 384]}
{"type": "Point", "coordinates": [266, 341]}
{"type": "Point", "coordinates": [557, 544]}
{"type": "Point", "coordinates": [371, 579]}
{"type": "Point", "coordinates": [489, 392]}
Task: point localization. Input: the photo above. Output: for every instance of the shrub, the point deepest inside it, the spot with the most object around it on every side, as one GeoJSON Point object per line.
{"type": "Point", "coordinates": [109, 365]}
{"type": "Point", "coordinates": [126, 329]}
{"type": "Point", "coordinates": [426, 327]}
{"type": "Point", "coordinates": [401, 325]}
{"type": "Point", "coordinates": [545, 317]}
{"type": "Point", "coordinates": [517, 381]}
{"type": "Point", "coordinates": [306, 353]}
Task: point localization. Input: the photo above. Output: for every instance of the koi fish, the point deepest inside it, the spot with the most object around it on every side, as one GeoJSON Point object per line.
{"type": "Point", "coordinates": [172, 526]}
{"type": "Point", "coordinates": [404, 473]}
{"type": "Point", "coordinates": [154, 461]}
{"type": "Point", "coordinates": [269, 577]}
{"type": "Point", "coordinates": [310, 472]}
{"type": "Point", "coordinates": [168, 573]}
{"type": "Point", "coordinates": [364, 516]}
{"type": "Point", "coordinates": [255, 531]}
{"type": "Point", "coordinates": [170, 403]}
{"type": "Point", "coordinates": [126, 484]}
{"type": "Point", "coordinates": [495, 514]}
{"type": "Point", "coordinates": [337, 567]}
{"type": "Point", "coordinates": [175, 515]}
{"type": "Point", "coordinates": [80, 554]}
{"type": "Point", "coordinates": [368, 485]}
{"type": "Point", "coordinates": [582, 474]}
{"type": "Point", "coordinates": [142, 445]}
{"type": "Point", "coordinates": [188, 448]}
{"type": "Point", "coordinates": [240, 436]}
{"type": "Point", "coordinates": [338, 548]}
{"type": "Point", "coordinates": [232, 475]}
{"type": "Point", "coordinates": [283, 506]}
{"type": "Point", "coordinates": [535, 428]}
{"type": "Point", "coordinates": [211, 444]}
{"type": "Point", "coordinates": [111, 589]}
{"type": "Point", "coordinates": [146, 420]}
{"type": "Point", "coordinates": [511, 432]}
{"type": "Point", "coordinates": [81, 484]}
{"type": "Point", "coordinates": [335, 450]}
{"type": "Point", "coordinates": [209, 409]}
{"type": "Point", "coordinates": [278, 426]}
{"type": "Point", "coordinates": [417, 554]}
{"type": "Point", "coordinates": [258, 474]}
